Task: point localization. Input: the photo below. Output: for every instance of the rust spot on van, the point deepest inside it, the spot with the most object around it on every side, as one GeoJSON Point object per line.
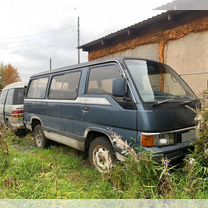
{"type": "Point", "coordinates": [121, 147]}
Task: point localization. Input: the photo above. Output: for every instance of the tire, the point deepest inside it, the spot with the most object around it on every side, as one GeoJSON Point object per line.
{"type": "Point", "coordinates": [21, 133]}
{"type": "Point", "coordinates": [101, 154]}
{"type": "Point", "coordinates": [40, 139]}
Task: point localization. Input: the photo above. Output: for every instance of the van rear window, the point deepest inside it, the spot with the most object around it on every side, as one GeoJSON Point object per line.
{"type": "Point", "coordinates": [18, 97]}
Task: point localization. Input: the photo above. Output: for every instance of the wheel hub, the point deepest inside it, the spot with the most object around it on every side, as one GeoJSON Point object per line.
{"type": "Point", "coordinates": [102, 159]}
{"type": "Point", "coordinates": [38, 137]}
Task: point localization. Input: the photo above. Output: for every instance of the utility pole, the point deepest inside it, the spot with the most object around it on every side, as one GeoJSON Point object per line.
{"type": "Point", "coordinates": [50, 64]}
{"type": "Point", "coordinates": [78, 38]}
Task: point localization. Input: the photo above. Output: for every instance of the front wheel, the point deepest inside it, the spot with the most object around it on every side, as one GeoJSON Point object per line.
{"type": "Point", "coordinates": [39, 136]}
{"type": "Point", "coordinates": [101, 154]}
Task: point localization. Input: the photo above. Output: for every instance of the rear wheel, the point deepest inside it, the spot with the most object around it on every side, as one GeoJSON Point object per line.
{"type": "Point", "coordinates": [20, 132]}
{"type": "Point", "coordinates": [101, 154]}
{"type": "Point", "coordinates": [40, 139]}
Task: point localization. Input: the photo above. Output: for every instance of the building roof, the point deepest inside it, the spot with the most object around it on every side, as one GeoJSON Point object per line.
{"type": "Point", "coordinates": [160, 22]}
{"type": "Point", "coordinates": [185, 5]}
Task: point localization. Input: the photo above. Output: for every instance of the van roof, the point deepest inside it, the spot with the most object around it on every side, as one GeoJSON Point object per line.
{"type": "Point", "coordinates": [76, 66]}
{"type": "Point", "coordinates": [90, 63]}
{"type": "Point", "coordinates": [15, 85]}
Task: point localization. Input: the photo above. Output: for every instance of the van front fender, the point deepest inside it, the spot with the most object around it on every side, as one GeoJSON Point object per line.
{"type": "Point", "coordinates": [120, 146]}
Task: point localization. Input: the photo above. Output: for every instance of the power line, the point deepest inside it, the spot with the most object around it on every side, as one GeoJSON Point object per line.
{"type": "Point", "coordinates": [32, 67]}
{"type": "Point", "coordinates": [38, 38]}
{"type": "Point", "coordinates": [37, 34]}
{"type": "Point", "coordinates": [31, 45]}
{"type": "Point", "coordinates": [43, 46]}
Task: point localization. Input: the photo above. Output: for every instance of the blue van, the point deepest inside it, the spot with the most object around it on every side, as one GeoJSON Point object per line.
{"type": "Point", "coordinates": [145, 102]}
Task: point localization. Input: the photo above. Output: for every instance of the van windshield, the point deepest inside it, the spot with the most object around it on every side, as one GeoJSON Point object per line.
{"type": "Point", "coordinates": [156, 82]}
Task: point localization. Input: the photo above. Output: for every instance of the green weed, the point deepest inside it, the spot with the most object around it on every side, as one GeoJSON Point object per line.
{"type": "Point", "coordinates": [60, 172]}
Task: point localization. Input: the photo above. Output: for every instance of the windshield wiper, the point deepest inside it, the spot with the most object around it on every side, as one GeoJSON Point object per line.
{"type": "Point", "coordinates": [185, 103]}
{"type": "Point", "coordinates": [188, 101]}
{"type": "Point", "coordinates": [163, 101]}
{"type": "Point", "coordinates": [170, 99]}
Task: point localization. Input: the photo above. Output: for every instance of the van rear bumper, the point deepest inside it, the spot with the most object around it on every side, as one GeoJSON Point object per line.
{"type": "Point", "coordinates": [17, 125]}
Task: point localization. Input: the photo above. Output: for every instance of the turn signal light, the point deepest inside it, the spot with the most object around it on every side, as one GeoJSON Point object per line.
{"type": "Point", "coordinates": [148, 140]}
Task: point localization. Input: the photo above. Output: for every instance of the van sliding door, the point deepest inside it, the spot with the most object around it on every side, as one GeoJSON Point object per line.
{"type": "Point", "coordinates": [70, 109]}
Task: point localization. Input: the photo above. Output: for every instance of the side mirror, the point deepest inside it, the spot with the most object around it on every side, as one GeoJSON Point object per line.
{"type": "Point", "coordinates": [118, 87]}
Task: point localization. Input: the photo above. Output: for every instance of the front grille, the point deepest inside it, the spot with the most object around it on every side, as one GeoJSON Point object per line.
{"type": "Point", "coordinates": [177, 137]}
{"type": "Point", "coordinates": [178, 153]}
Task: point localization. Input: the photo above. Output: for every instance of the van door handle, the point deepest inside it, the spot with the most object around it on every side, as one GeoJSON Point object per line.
{"type": "Point", "coordinates": [85, 109]}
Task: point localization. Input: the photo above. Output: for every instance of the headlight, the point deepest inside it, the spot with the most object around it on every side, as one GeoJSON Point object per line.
{"type": "Point", "coordinates": [164, 139]}
{"type": "Point", "coordinates": [154, 140]}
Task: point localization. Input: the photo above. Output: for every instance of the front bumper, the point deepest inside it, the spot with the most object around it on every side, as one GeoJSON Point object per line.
{"type": "Point", "coordinates": [173, 152]}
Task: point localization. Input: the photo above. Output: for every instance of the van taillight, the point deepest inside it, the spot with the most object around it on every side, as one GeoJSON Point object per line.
{"type": "Point", "coordinates": [17, 114]}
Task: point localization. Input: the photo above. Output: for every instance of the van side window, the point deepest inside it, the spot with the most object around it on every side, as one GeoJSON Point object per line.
{"type": "Point", "coordinates": [3, 97]}
{"type": "Point", "coordinates": [101, 79]}
{"type": "Point", "coordinates": [65, 86]}
{"type": "Point", "coordinates": [37, 88]}
{"type": "Point", "coordinates": [9, 98]}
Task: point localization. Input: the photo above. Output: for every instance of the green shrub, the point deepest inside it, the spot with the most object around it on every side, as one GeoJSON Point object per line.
{"type": "Point", "coordinates": [196, 164]}
{"type": "Point", "coordinates": [141, 177]}
{"type": "Point", "coordinates": [3, 144]}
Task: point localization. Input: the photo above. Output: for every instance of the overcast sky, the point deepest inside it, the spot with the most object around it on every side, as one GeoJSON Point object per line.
{"type": "Point", "coordinates": [33, 31]}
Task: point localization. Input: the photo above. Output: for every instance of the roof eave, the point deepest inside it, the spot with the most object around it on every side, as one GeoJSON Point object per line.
{"type": "Point", "coordinates": [160, 17]}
